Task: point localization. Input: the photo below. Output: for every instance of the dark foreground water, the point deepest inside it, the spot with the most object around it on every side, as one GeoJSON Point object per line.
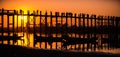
{"type": "Point", "coordinates": [19, 51]}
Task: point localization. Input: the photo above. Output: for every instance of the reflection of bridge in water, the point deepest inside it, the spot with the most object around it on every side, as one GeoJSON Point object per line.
{"type": "Point", "coordinates": [90, 31]}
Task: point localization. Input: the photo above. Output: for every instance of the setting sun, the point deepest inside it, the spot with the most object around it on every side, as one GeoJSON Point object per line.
{"type": "Point", "coordinates": [22, 18]}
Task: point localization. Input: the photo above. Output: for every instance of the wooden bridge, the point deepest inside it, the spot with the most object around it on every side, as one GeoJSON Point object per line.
{"type": "Point", "coordinates": [74, 28]}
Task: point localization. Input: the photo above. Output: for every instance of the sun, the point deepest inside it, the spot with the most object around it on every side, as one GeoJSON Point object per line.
{"type": "Point", "coordinates": [23, 19]}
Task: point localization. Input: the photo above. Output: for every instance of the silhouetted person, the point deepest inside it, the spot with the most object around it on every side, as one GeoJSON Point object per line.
{"type": "Point", "coordinates": [15, 37]}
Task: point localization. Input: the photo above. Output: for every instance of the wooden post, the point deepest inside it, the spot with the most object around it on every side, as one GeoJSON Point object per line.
{"type": "Point", "coordinates": [8, 26]}
{"type": "Point", "coordinates": [13, 25]}
{"type": "Point", "coordinates": [113, 25]}
{"type": "Point", "coordinates": [34, 25]}
{"type": "Point", "coordinates": [62, 15]}
{"type": "Point", "coordinates": [79, 16]}
{"type": "Point", "coordinates": [117, 31]}
{"type": "Point", "coordinates": [66, 24]}
{"type": "Point", "coordinates": [91, 28]}
{"type": "Point", "coordinates": [101, 31]}
{"type": "Point", "coordinates": [100, 19]}
{"type": "Point", "coordinates": [108, 30]}
{"type": "Point", "coordinates": [95, 32]}
{"type": "Point", "coordinates": [71, 15]}
{"type": "Point", "coordinates": [21, 19]}
{"type": "Point", "coordinates": [83, 16]}
{"type": "Point", "coordinates": [2, 17]}
{"type": "Point", "coordinates": [88, 34]}
{"type": "Point", "coordinates": [75, 28]}
{"type": "Point", "coordinates": [51, 26]}
{"type": "Point", "coordinates": [40, 26]}
{"type": "Point", "coordinates": [88, 20]}
{"type": "Point", "coordinates": [56, 14]}
{"type": "Point", "coordinates": [22, 23]}
{"type": "Point", "coordinates": [17, 25]}
{"type": "Point", "coordinates": [45, 28]}
{"type": "Point", "coordinates": [71, 24]}
{"type": "Point", "coordinates": [28, 27]}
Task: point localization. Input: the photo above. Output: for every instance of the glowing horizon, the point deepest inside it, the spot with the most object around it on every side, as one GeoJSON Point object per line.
{"type": "Point", "coordinates": [101, 7]}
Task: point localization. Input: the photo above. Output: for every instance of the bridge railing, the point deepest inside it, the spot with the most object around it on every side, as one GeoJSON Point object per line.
{"type": "Point", "coordinates": [102, 29]}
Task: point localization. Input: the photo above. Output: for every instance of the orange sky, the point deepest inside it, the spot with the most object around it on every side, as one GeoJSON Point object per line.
{"type": "Point", "coordinates": [99, 7]}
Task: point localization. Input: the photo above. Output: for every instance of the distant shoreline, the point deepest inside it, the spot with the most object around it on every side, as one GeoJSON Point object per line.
{"type": "Point", "coordinates": [19, 51]}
